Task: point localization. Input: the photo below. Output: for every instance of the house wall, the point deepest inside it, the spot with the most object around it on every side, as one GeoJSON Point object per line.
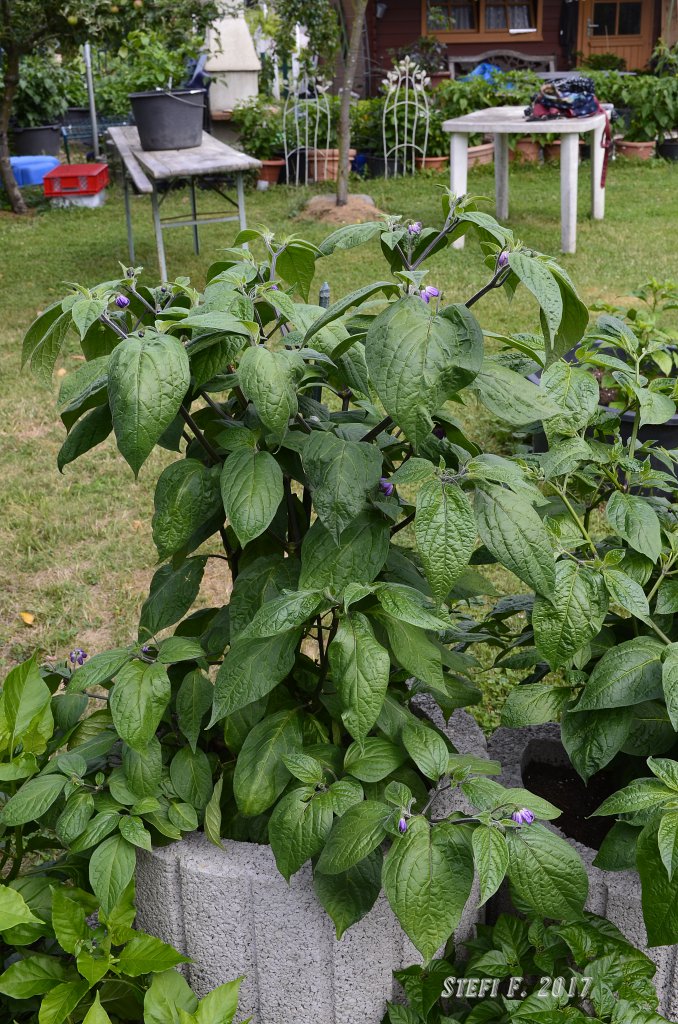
{"type": "Point", "coordinates": [402, 24]}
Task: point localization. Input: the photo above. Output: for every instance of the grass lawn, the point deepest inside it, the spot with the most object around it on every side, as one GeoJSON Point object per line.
{"type": "Point", "coordinates": [76, 550]}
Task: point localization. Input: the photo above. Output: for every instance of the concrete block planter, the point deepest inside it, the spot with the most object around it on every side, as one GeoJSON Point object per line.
{"type": "Point", "coordinates": [615, 895]}
{"type": "Point", "coordinates": [232, 912]}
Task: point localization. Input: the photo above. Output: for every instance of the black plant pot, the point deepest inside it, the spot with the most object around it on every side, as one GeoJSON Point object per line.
{"type": "Point", "coordinates": [668, 149]}
{"type": "Point", "coordinates": [377, 166]}
{"type": "Point", "coordinates": [42, 141]}
{"type": "Point", "coordinates": [169, 119]}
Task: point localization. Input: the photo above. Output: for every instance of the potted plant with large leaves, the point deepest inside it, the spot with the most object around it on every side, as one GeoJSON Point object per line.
{"type": "Point", "coordinates": [319, 466]}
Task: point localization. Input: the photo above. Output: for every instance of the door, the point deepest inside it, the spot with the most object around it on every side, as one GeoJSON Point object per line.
{"type": "Point", "coordinates": [624, 27]}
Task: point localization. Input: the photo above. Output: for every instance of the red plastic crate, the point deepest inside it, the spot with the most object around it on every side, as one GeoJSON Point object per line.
{"type": "Point", "coordinates": [76, 180]}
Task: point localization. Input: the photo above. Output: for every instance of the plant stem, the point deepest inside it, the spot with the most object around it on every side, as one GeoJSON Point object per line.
{"type": "Point", "coordinates": [402, 524]}
{"type": "Point", "coordinates": [199, 436]}
{"type": "Point", "coordinates": [496, 282]}
{"type": "Point", "coordinates": [584, 532]}
{"type": "Point", "coordinates": [376, 431]}
{"type": "Point", "coordinates": [215, 405]}
{"type": "Point", "coordinates": [294, 533]}
{"type": "Point", "coordinates": [105, 319]}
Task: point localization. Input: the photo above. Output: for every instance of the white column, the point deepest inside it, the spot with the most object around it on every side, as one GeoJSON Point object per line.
{"type": "Point", "coordinates": [569, 169]}
{"type": "Point", "coordinates": [597, 161]}
{"type": "Point", "coordinates": [458, 171]}
{"type": "Point", "coordinates": [501, 172]}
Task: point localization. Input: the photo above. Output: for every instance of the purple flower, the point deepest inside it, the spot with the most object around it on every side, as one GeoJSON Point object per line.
{"type": "Point", "coordinates": [77, 656]}
{"type": "Point", "coordinates": [145, 649]}
{"type": "Point", "coordinates": [275, 288]}
{"type": "Point", "coordinates": [386, 486]}
{"type": "Point", "coordinates": [439, 433]}
{"type": "Point", "coordinates": [121, 301]}
{"type": "Point", "coordinates": [402, 825]}
{"type": "Point", "coordinates": [415, 228]}
{"type": "Point", "coordinates": [523, 816]}
{"type": "Point", "coordinates": [429, 292]}
{"type": "Point", "coordinates": [502, 260]}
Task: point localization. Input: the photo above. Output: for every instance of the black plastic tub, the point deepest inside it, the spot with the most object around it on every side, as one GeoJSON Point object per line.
{"type": "Point", "coordinates": [42, 141]}
{"type": "Point", "coordinates": [169, 119]}
{"type": "Point", "coordinates": [668, 149]}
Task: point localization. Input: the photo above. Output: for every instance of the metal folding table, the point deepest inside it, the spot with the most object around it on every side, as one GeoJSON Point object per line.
{"type": "Point", "coordinates": [145, 170]}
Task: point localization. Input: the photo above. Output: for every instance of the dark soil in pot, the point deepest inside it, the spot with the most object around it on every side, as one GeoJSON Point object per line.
{"type": "Point", "coordinates": [562, 786]}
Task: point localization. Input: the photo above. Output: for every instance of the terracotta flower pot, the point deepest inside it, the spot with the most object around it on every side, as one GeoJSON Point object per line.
{"type": "Point", "coordinates": [432, 163]}
{"type": "Point", "coordinates": [525, 151]}
{"type": "Point", "coordinates": [323, 164]}
{"type": "Point", "coordinates": [270, 171]}
{"type": "Point", "coordinates": [482, 154]}
{"type": "Point", "coordinates": [635, 150]}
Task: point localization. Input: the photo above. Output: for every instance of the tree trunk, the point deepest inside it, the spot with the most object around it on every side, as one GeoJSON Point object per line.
{"type": "Point", "coordinates": [359, 7]}
{"type": "Point", "coordinates": [6, 173]}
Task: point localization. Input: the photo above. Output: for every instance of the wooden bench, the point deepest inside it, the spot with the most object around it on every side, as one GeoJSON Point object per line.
{"type": "Point", "coordinates": [506, 60]}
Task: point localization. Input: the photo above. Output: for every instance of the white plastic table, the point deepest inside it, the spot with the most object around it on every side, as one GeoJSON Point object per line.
{"type": "Point", "coordinates": [209, 161]}
{"type": "Point", "coordinates": [504, 121]}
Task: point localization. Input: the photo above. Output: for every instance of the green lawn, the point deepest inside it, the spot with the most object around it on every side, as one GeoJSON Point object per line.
{"type": "Point", "coordinates": [76, 550]}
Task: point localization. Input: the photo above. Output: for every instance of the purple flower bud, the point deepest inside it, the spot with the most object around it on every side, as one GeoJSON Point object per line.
{"type": "Point", "coordinates": [439, 433]}
{"type": "Point", "coordinates": [502, 259]}
{"type": "Point", "coordinates": [121, 301]}
{"type": "Point", "coordinates": [415, 228]}
{"type": "Point", "coordinates": [275, 288]}
{"type": "Point", "coordinates": [402, 825]}
{"type": "Point", "coordinates": [386, 486]}
{"type": "Point", "coordinates": [145, 649]}
{"type": "Point", "coordinates": [523, 816]}
{"type": "Point", "coordinates": [77, 656]}
{"type": "Point", "coordinates": [429, 292]}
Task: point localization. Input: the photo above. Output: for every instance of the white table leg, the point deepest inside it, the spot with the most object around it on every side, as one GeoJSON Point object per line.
{"type": "Point", "coordinates": [458, 171]}
{"type": "Point", "coordinates": [597, 161]}
{"type": "Point", "coordinates": [569, 170]}
{"type": "Point", "coordinates": [501, 172]}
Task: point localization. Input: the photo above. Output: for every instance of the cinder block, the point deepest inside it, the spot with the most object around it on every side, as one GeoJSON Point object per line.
{"type": "Point", "coordinates": [232, 912]}
{"type": "Point", "coordinates": [615, 895]}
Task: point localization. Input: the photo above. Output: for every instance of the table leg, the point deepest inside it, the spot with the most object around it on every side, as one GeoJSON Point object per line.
{"type": "Point", "coordinates": [597, 161]}
{"type": "Point", "coordinates": [158, 236]}
{"type": "Point", "coordinates": [501, 175]}
{"type": "Point", "coordinates": [569, 170]}
{"type": "Point", "coordinates": [458, 171]}
{"type": "Point", "coordinates": [128, 219]}
{"type": "Point", "coordinates": [194, 215]}
{"type": "Point", "coordinates": [241, 200]}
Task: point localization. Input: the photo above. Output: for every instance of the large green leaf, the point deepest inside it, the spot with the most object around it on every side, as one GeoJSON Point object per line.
{"type": "Point", "coordinates": [148, 378]}
{"type": "Point", "coordinates": [593, 738]}
{"type": "Point", "coordinates": [572, 616]}
{"type": "Point", "coordinates": [427, 877]}
{"type": "Point", "coordinates": [251, 489]}
{"type": "Point", "coordinates": [296, 265]}
{"type": "Point", "coordinates": [360, 671]}
{"type": "Point", "coordinates": [268, 379]}
{"type": "Point", "coordinates": [144, 954]}
{"type": "Point", "coordinates": [445, 530]}
{"type": "Point", "coordinates": [172, 593]}
{"type": "Point", "coordinates": [250, 670]}
{"type": "Point", "coordinates": [44, 340]}
{"type": "Point", "coordinates": [509, 396]}
{"type": "Point", "coordinates": [60, 1002]}
{"type": "Point", "coordinates": [298, 827]}
{"type": "Point", "coordinates": [373, 758]}
{"type": "Point", "coordinates": [575, 392]}
{"type": "Point", "coordinates": [350, 235]}
{"type": "Point", "coordinates": [636, 522]}
{"type": "Point", "coordinates": [409, 605]}
{"type": "Point", "coordinates": [358, 832]}
{"type": "Point", "coordinates": [351, 894]}
{"type": "Point", "coordinates": [186, 496]}
{"type": "Point", "coordinates": [168, 993]}
{"type": "Point", "coordinates": [534, 704]}
{"type": "Point", "coordinates": [427, 748]}
{"type": "Point", "coordinates": [191, 777]}
{"type": "Point", "coordinates": [111, 869]}
{"type": "Point", "coordinates": [414, 651]}
{"type": "Point", "coordinates": [546, 872]}
{"type": "Point", "coordinates": [33, 799]}
{"type": "Point", "coordinates": [257, 582]}
{"type": "Point", "coordinates": [340, 474]}
{"type": "Point", "coordinates": [289, 611]}
{"type": "Point", "coordinates": [260, 772]}
{"type": "Point", "coordinates": [490, 855]}
{"type": "Point", "coordinates": [358, 557]}
{"type": "Point", "coordinates": [629, 673]}
{"type": "Point", "coordinates": [535, 274]}
{"type": "Point", "coordinates": [32, 976]}
{"type": "Point", "coordinates": [138, 701]}
{"type": "Point", "coordinates": [25, 697]}
{"type": "Point", "coordinates": [418, 359]}
{"type": "Point", "coordinates": [509, 526]}
{"type": "Point", "coordinates": [13, 909]}
{"type": "Point", "coordinates": [659, 893]}
{"type": "Point", "coordinates": [670, 683]}
{"type": "Point", "coordinates": [194, 699]}
{"type": "Point", "coordinates": [87, 433]}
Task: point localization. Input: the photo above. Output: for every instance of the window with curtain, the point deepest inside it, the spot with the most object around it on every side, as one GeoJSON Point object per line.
{"type": "Point", "coordinates": [486, 18]}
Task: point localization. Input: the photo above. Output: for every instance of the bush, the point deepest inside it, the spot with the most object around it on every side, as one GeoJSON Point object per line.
{"type": "Point", "coordinates": [46, 87]}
